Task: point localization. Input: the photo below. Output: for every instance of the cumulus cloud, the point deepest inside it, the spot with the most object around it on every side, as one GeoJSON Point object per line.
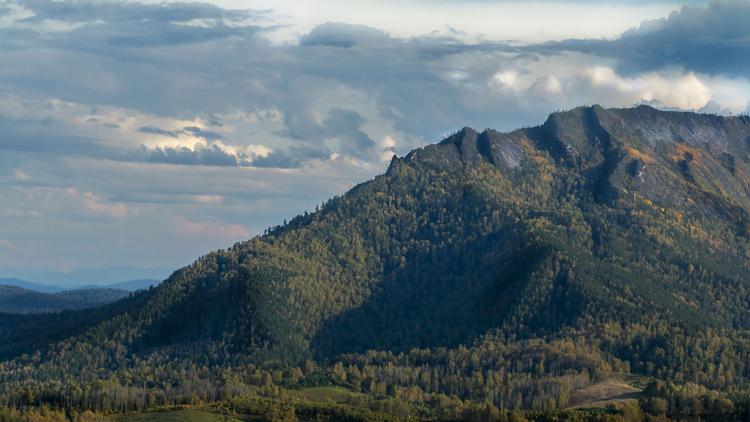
{"type": "Point", "coordinates": [714, 40]}
{"type": "Point", "coordinates": [603, 85]}
{"type": "Point", "coordinates": [208, 154]}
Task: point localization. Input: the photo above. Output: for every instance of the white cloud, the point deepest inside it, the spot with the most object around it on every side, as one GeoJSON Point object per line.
{"type": "Point", "coordinates": [547, 85]}
{"type": "Point", "coordinates": [387, 146]}
{"type": "Point", "coordinates": [671, 89]}
{"type": "Point", "coordinates": [567, 80]}
{"type": "Point", "coordinates": [20, 175]}
{"type": "Point", "coordinates": [13, 14]}
{"type": "Point", "coordinates": [527, 21]}
{"type": "Point", "coordinates": [95, 205]}
{"type": "Point", "coordinates": [502, 81]}
{"type": "Point", "coordinates": [215, 230]}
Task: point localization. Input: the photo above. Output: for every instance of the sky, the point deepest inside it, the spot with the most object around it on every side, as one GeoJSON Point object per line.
{"type": "Point", "coordinates": [137, 136]}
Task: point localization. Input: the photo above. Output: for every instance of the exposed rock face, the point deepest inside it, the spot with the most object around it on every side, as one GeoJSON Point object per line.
{"type": "Point", "coordinates": [659, 155]}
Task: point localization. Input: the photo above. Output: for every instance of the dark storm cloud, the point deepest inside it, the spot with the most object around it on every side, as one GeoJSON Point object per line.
{"type": "Point", "coordinates": [712, 40]}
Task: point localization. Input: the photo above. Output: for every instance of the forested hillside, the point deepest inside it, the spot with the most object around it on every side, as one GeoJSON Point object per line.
{"type": "Point", "coordinates": [18, 300]}
{"type": "Point", "coordinates": [491, 271]}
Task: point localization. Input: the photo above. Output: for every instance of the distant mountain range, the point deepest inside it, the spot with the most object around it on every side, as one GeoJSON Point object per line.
{"type": "Point", "coordinates": [85, 276]}
{"type": "Point", "coordinates": [128, 285]}
{"type": "Point", "coordinates": [42, 288]}
{"type": "Point", "coordinates": [20, 296]}
{"type": "Point", "coordinates": [15, 299]}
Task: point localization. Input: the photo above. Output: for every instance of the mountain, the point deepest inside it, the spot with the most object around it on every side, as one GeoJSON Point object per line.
{"type": "Point", "coordinates": [129, 285]}
{"type": "Point", "coordinates": [43, 288]}
{"type": "Point", "coordinates": [86, 276]}
{"type": "Point", "coordinates": [15, 299]}
{"type": "Point", "coordinates": [508, 269]}
{"type": "Point", "coordinates": [133, 285]}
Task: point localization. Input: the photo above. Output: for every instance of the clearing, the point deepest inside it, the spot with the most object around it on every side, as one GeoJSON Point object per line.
{"type": "Point", "coordinates": [603, 393]}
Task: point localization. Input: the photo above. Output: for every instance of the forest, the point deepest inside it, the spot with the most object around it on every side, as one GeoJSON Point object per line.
{"type": "Point", "coordinates": [15, 299]}
{"type": "Point", "coordinates": [488, 277]}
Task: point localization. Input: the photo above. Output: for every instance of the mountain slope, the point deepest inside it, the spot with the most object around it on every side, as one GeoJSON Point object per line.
{"type": "Point", "coordinates": [604, 240]}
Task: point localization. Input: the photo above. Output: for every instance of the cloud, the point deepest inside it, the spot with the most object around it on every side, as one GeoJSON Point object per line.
{"type": "Point", "coordinates": [159, 131]}
{"type": "Point", "coordinates": [294, 157]}
{"type": "Point", "coordinates": [93, 11]}
{"type": "Point", "coordinates": [203, 133]}
{"type": "Point", "coordinates": [209, 154]}
{"type": "Point", "coordinates": [345, 125]}
{"type": "Point", "coordinates": [223, 232]}
{"type": "Point", "coordinates": [71, 129]}
{"type": "Point", "coordinates": [503, 80]}
{"type": "Point", "coordinates": [342, 35]}
{"type": "Point", "coordinates": [676, 90]}
{"type": "Point", "coordinates": [93, 204]}
{"type": "Point", "coordinates": [331, 94]}
{"type": "Point", "coordinates": [714, 40]}
{"type": "Point", "coordinates": [159, 110]}
{"type": "Point", "coordinates": [20, 175]}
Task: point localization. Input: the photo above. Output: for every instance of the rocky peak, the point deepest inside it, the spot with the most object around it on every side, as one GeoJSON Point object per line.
{"type": "Point", "coordinates": [670, 158]}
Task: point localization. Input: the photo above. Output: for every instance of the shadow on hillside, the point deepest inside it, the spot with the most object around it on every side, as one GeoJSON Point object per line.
{"type": "Point", "coordinates": [444, 298]}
